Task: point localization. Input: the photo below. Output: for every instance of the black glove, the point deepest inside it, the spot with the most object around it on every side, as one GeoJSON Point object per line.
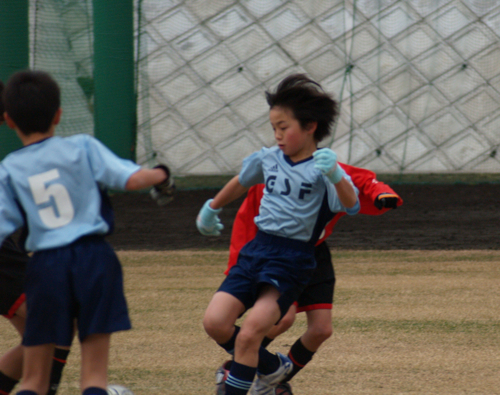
{"type": "Point", "coordinates": [163, 193]}
{"type": "Point", "coordinates": [386, 200]}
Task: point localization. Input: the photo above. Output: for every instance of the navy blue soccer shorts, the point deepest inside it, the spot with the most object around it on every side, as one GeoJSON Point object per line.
{"type": "Point", "coordinates": [318, 294]}
{"type": "Point", "coordinates": [82, 280]}
{"type": "Point", "coordinates": [285, 264]}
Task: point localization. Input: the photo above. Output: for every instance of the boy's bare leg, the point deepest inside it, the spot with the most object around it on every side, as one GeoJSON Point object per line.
{"type": "Point", "coordinates": [95, 356]}
{"type": "Point", "coordinates": [285, 323]}
{"type": "Point", "coordinates": [11, 363]}
{"type": "Point", "coordinates": [221, 315]}
{"type": "Point", "coordinates": [37, 364]}
{"type": "Point", "coordinates": [319, 328]}
{"type": "Point", "coordinates": [264, 314]}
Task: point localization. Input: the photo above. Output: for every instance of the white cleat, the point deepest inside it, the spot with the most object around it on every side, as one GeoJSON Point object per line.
{"type": "Point", "coordinates": [265, 384]}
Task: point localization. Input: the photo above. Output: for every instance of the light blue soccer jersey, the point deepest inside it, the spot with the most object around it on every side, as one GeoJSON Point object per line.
{"type": "Point", "coordinates": [56, 183]}
{"type": "Point", "coordinates": [298, 199]}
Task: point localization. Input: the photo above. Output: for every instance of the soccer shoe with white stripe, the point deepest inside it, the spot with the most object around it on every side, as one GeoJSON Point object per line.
{"type": "Point", "coordinates": [266, 384]}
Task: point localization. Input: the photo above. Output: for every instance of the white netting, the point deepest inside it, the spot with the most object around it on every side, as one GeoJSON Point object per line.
{"type": "Point", "coordinates": [418, 80]}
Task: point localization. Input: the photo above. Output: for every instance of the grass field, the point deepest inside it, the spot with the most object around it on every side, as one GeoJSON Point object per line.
{"type": "Point", "coordinates": [404, 322]}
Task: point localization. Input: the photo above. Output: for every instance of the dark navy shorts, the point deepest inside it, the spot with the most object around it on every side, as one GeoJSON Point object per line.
{"type": "Point", "coordinates": [318, 294]}
{"type": "Point", "coordinates": [82, 280]}
{"type": "Point", "coordinates": [285, 264]}
{"type": "Point", "coordinates": [12, 270]}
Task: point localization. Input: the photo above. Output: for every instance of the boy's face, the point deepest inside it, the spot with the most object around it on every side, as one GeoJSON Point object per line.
{"type": "Point", "coordinates": [292, 139]}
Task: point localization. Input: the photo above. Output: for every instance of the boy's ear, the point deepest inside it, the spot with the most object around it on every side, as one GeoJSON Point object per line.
{"type": "Point", "coordinates": [8, 120]}
{"type": "Point", "coordinates": [311, 127]}
{"type": "Point", "coordinates": [57, 116]}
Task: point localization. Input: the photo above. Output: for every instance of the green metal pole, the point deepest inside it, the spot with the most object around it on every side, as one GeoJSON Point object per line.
{"type": "Point", "coordinates": [114, 96]}
{"type": "Point", "coordinates": [14, 56]}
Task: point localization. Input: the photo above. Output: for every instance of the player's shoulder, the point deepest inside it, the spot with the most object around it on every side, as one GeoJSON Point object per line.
{"type": "Point", "coordinates": [265, 151]}
{"type": "Point", "coordinates": [262, 154]}
{"type": "Point", "coordinates": [272, 152]}
{"type": "Point", "coordinates": [79, 139]}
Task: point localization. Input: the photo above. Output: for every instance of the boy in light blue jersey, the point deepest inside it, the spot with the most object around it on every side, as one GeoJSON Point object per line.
{"type": "Point", "coordinates": [304, 188]}
{"type": "Point", "coordinates": [56, 186]}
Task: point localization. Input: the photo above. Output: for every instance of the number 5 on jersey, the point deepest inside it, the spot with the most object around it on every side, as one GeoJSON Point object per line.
{"type": "Point", "coordinates": [63, 212]}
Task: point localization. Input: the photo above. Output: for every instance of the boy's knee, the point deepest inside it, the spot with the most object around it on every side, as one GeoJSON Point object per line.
{"type": "Point", "coordinates": [321, 332]}
{"type": "Point", "coordinates": [248, 339]}
{"type": "Point", "coordinates": [218, 330]}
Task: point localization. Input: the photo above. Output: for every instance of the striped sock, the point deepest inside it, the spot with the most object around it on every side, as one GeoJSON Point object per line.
{"type": "Point", "coordinates": [240, 379]}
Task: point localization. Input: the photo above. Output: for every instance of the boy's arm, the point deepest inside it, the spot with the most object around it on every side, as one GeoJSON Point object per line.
{"type": "Point", "coordinates": [231, 191]}
{"type": "Point", "coordinates": [208, 221]}
{"type": "Point", "coordinates": [145, 178]}
{"type": "Point", "coordinates": [326, 162]}
{"type": "Point", "coordinates": [117, 173]}
{"type": "Point", "coordinates": [11, 217]}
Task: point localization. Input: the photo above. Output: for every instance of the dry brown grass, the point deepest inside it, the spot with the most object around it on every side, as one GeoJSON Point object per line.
{"type": "Point", "coordinates": [404, 322]}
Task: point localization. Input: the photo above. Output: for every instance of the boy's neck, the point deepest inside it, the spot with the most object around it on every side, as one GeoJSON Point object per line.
{"type": "Point", "coordinates": [33, 138]}
{"type": "Point", "coordinates": [305, 152]}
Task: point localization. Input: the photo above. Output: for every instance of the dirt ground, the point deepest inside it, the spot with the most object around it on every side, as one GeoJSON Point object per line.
{"type": "Point", "coordinates": [433, 217]}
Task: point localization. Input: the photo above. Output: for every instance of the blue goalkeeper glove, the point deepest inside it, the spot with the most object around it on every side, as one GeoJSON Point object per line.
{"type": "Point", "coordinates": [208, 222]}
{"type": "Point", "coordinates": [326, 162]}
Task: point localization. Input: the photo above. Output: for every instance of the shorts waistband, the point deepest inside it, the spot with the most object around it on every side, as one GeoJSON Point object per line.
{"type": "Point", "coordinates": [296, 245]}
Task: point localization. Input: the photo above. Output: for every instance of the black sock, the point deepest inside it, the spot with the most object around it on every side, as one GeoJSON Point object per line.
{"type": "Point", "coordinates": [300, 356]}
{"type": "Point", "coordinates": [268, 362]}
{"type": "Point", "coordinates": [7, 384]}
{"type": "Point", "coordinates": [266, 342]}
{"type": "Point", "coordinates": [94, 391]}
{"type": "Point", "coordinates": [58, 363]}
{"type": "Point", "coordinates": [229, 345]}
{"type": "Point", "coordinates": [240, 379]}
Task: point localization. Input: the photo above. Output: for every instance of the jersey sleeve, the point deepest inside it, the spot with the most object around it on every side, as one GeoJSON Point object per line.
{"type": "Point", "coordinates": [369, 188]}
{"type": "Point", "coordinates": [251, 172]}
{"type": "Point", "coordinates": [244, 228]}
{"type": "Point", "coordinates": [108, 169]}
{"type": "Point", "coordinates": [334, 201]}
{"type": "Point", "coordinates": [11, 217]}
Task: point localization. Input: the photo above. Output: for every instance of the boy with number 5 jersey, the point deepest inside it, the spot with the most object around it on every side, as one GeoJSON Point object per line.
{"type": "Point", "coordinates": [56, 186]}
{"type": "Point", "coordinates": [304, 188]}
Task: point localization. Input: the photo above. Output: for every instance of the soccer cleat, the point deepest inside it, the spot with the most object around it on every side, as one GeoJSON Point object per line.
{"type": "Point", "coordinates": [283, 389]}
{"type": "Point", "coordinates": [266, 384]}
{"type": "Point", "coordinates": [221, 377]}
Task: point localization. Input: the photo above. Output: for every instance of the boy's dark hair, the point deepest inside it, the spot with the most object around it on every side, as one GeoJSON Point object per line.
{"type": "Point", "coordinates": [307, 101]}
{"type": "Point", "coordinates": [1, 102]}
{"type": "Point", "coordinates": [31, 98]}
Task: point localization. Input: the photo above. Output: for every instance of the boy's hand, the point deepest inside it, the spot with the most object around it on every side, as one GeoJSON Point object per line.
{"type": "Point", "coordinates": [208, 222]}
{"type": "Point", "coordinates": [326, 162]}
{"type": "Point", "coordinates": [386, 200]}
{"type": "Point", "coordinates": [163, 193]}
